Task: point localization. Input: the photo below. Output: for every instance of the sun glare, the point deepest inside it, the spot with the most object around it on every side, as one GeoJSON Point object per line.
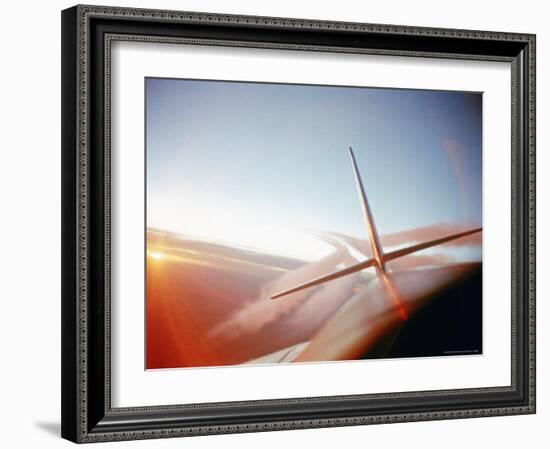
{"type": "Point", "coordinates": [156, 255]}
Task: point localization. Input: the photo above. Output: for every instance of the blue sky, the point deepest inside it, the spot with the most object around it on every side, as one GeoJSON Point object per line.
{"type": "Point", "coordinates": [261, 165]}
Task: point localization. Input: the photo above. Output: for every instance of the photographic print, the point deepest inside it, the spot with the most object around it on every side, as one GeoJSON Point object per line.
{"type": "Point", "coordinates": [292, 223]}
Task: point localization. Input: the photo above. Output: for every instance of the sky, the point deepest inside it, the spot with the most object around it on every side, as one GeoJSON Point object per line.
{"type": "Point", "coordinates": [265, 166]}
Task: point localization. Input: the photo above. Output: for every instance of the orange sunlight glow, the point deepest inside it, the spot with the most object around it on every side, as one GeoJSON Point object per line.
{"type": "Point", "coordinates": [156, 255]}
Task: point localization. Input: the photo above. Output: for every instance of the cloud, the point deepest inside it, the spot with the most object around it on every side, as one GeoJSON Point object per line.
{"type": "Point", "coordinates": [416, 261]}
{"type": "Point", "coordinates": [307, 306]}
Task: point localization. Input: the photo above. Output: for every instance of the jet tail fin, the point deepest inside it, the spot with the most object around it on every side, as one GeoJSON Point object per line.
{"type": "Point", "coordinates": [376, 246]}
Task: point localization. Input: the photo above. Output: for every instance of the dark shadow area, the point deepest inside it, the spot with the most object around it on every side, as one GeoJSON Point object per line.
{"type": "Point", "coordinates": [450, 324]}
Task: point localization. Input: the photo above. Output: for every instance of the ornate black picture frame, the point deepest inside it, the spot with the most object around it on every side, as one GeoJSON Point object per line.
{"type": "Point", "coordinates": [87, 34]}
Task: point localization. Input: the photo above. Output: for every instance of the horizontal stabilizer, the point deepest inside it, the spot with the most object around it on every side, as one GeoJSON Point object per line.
{"type": "Point", "coordinates": [320, 280]}
{"type": "Point", "coordinates": [420, 246]}
{"type": "Point", "coordinates": [372, 261]}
